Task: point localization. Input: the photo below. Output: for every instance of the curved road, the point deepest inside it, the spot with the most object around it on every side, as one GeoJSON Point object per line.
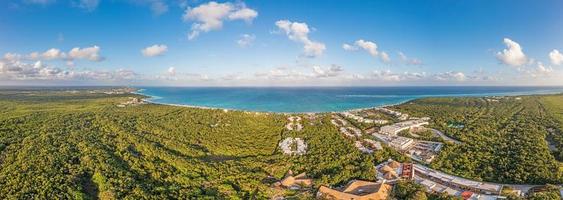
{"type": "Point", "coordinates": [445, 137]}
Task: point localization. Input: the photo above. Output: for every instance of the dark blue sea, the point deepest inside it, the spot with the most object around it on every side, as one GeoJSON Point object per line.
{"type": "Point", "coordinates": [319, 99]}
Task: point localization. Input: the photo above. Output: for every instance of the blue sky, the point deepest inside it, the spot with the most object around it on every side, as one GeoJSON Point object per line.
{"type": "Point", "coordinates": [266, 43]}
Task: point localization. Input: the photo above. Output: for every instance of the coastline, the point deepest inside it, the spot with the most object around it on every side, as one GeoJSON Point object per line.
{"type": "Point", "coordinates": [148, 100]}
{"type": "Point", "coordinates": [152, 99]}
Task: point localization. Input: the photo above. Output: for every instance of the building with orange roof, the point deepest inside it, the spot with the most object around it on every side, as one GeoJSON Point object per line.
{"type": "Point", "coordinates": [407, 171]}
{"type": "Point", "coordinates": [295, 182]}
{"type": "Point", "coordinates": [466, 194]}
{"type": "Point", "coordinates": [357, 190]}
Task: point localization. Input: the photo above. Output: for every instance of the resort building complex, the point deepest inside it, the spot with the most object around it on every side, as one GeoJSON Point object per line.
{"type": "Point", "coordinates": [396, 114]}
{"type": "Point", "coordinates": [456, 183]}
{"type": "Point", "coordinates": [294, 123]}
{"type": "Point", "coordinates": [363, 119]}
{"type": "Point", "coordinates": [419, 150]}
{"type": "Point", "coordinates": [293, 146]}
{"type": "Point", "coordinates": [394, 129]}
{"type": "Point", "coordinates": [390, 172]}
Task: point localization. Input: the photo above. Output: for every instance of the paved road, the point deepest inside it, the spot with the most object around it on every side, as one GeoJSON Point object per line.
{"type": "Point", "coordinates": [522, 187]}
{"type": "Point", "coordinates": [445, 137]}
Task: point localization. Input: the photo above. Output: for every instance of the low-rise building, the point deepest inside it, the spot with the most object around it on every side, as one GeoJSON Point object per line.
{"type": "Point", "coordinates": [419, 150]}
{"type": "Point", "coordinates": [397, 114]}
{"type": "Point", "coordinates": [407, 171]}
{"type": "Point", "coordinates": [295, 182]}
{"type": "Point", "coordinates": [363, 119]}
{"type": "Point", "coordinates": [390, 171]}
{"type": "Point", "coordinates": [401, 143]}
{"type": "Point", "coordinates": [374, 144]}
{"type": "Point", "coordinates": [362, 148]}
{"type": "Point", "coordinates": [394, 129]}
{"type": "Point", "coordinates": [294, 123]}
{"type": "Point", "coordinates": [357, 190]}
{"type": "Point", "coordinates": [337, 121]}
{"type": "Point", "coordinates": [132, 102]}
{"type": "Point", "coordinates": [457, 183]}
{"type": "Point", "coordinates": [293, 146]}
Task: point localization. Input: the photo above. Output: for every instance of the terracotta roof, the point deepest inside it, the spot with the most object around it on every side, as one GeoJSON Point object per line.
{"type": "Point", "coordinates": [357, 190]}
{"type": "Point", "coordinates": [390, 175]}
{"type": "Point", "coordinates": [466, 194]}
{"type": "Point", "coordinates": [296, 181]}
{"type": "Point", "coordinates": [394, 164]}
{"type": "Point", "coordinates": [386, 169]}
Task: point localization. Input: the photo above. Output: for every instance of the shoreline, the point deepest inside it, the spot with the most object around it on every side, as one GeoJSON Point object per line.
{"type": "Point", "coordinates": [151, 99]}
{"type": "Point", "coordinates": [264, 112]}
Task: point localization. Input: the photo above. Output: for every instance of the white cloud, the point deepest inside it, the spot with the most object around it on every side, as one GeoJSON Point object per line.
{"type": "Point", "coordinates": [231, 77]}
{"type": "Point", "coordinates": [24, 70]}
{"type": "Point", "coordinates": [296, 75]}
{"type": "Point", "coordinates": [172, 76]}
{"type": "Point", "coordinates": [88, 53]}
{"type": "Point", "coordinates": [332, 71]}
{"type": "Point", "coordinates": [368, 46]}
{"type": "Point", "coordinates": [513, 54]}
{"type": "Point", "coordinates": [210, 16]}
{"type": "Point", "coordinates": [171, 71]}
{"type": "Point", "coordinates": [12, 56]}
{"type": "Point", "coordinates": [540, 70]}
{"type": "Point", "coordinates": [388, 76]}
{"type": "Point", "coordinates": [245, 14]}
{"type": "Point", "coordinates": [51, 54]}
{"type": "Point", "coordinates": [385, 75]}
{"type": "Point", "coordinates": [421, 77]}
{"type": "Point", "coordinates": [450, 76]}
{"type": "Point", "coordinates": [409, 61]}
{"type": "Point", "coordinates": [154, 50]}
{"type": "Point", "coordinates": [555, 57]}
{"type": "Point", "coordinates": [281, 73]}
{"type": "Point", "coordinates": [314, 49]}
{"type": "Point", "coordinates": [348, 47]}
{"type": "Point", "coordinates": [299, 32]}
{"type": "Point", "coordinates": [543, 69]}
{"type": "Point", "coordinates": [246, 40]}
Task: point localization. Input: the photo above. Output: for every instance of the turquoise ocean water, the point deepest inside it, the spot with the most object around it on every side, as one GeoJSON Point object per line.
{"type": "Point", "coordinates": [318, 99]}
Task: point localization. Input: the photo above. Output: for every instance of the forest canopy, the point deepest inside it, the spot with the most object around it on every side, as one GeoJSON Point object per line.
{"type": "Point", "coordinates": [80, 145]}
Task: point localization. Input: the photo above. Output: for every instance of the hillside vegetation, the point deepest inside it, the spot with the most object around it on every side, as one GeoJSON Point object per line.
{"type": "Point", "coordinates": [80, 145]}
{"type": "Point", "coordinates": [57, 145]}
